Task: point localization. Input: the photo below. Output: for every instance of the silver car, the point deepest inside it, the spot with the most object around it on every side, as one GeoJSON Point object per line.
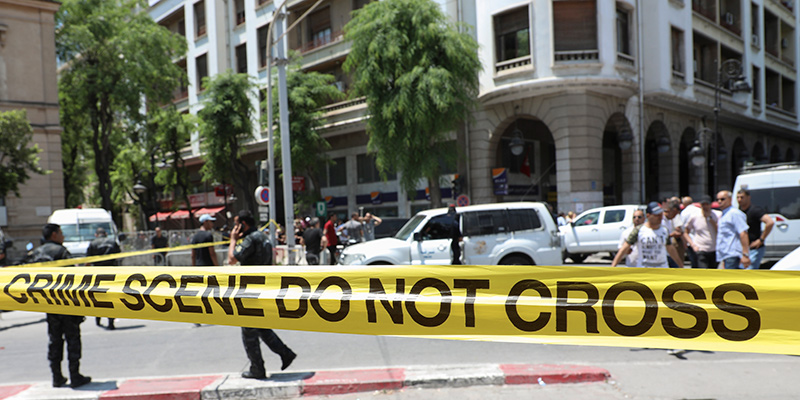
{"type": "Point", "coordinates": [596, 230]}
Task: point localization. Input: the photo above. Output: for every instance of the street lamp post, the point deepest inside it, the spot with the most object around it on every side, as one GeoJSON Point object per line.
{"type": "Point", "coordinates": [730, 72]}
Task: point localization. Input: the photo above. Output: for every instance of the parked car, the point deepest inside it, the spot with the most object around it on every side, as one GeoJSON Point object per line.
{"type": "Point", "coordinates": [776, 189]}
{"type": "Point", "coordinates": [79, 226]}
{"type": "Point", "coordinates": [596, 230]}
{"type": "Point", "coordinates": [493, 234]}
{"type": "Point", "coordinates": [389, 227]}
{"type": "Point", "coordinates": [791, 262]}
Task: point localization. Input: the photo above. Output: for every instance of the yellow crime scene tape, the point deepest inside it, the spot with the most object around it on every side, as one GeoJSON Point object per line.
{"type": "Point", "coordinates": [718, 310]}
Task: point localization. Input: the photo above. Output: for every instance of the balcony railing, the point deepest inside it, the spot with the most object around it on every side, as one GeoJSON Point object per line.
{"type": "Point", "coordinates": [581, 55]}
{"type": "Point", "coordinates": [626, 60]}
{"type": "Point", "coordinates": [322, 41]}
{"type": "Point", "coordinates": [513, 63]}
{"type": "Point", "coordinates": [344, 104]}
{"type": "Point", "coordinates": [704, 11]}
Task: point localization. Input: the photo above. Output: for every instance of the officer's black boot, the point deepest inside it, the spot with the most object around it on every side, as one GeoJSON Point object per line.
{"type": "Point", "coordinates": [75, 377]}
{"type": "Point", "coordinates": [286, 358]}
{"type": "Point", "coordinates": [58, 379]}
{"type": "Point", "coordinates": [255, 373]}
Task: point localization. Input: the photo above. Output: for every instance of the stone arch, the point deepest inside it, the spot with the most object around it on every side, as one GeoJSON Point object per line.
{"type": "Point", "coordinates": [617, 174]}
{"type": "Point", "coordinates": [723, 174]}
{"type": "Point", "coordinates": [658, 148]}
{"type": "Point", "coordinates": [531, 174]}
{"type": "Point", "coordinates": [790, 157]}
{"type": "Point", "coordinates": [687, 174]}
{"type": "Point", "coordinates": [775, 155]}
{"type": "Point", "coordinates": [739, 155]}
{"type": "Point", "coordinates": [759, 154]}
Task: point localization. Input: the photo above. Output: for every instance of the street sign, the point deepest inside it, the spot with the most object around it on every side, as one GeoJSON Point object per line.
{"type": "Point", "coordinates": [262, 195]}
{"type": "Point", "coordinates": [462, 200]}
{"type": "Point", "coordinates": [322, 209]}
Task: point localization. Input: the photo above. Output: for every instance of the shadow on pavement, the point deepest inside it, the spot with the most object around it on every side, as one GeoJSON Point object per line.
{"type": "Point", "coordinates": [98, 386]}
{"type": "Point", "coordinates": [125, 328]}
{"type": "Point", "coordinates": [290, 376]}
{"type": "Point", "coordinates": [677, 353]}
{"type": "Point", "coordinates": [23, 324]}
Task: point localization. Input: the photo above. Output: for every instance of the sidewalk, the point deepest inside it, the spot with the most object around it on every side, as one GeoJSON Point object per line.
{"type": "Point", "coordinates": [297, 384]}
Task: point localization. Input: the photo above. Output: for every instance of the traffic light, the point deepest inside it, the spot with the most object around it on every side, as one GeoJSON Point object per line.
{"type": "Point", "coordinates": [458, 185]}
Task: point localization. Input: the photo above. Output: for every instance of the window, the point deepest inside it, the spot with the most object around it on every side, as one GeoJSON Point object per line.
{"type": "Point", "coordinates": [523, 220]}
{"type": "Point", "coordinates": [784, 200]}
{"type": "Point", "coordinates": [787, 94]}
{"type": "Point", "coordinates": [706, 8]}
{"type": "Point", "coordinates": [438, 227]}
{"type": "Point", "coordinates": [262, 45]}
{"type": "Point", "coordinates": [512, 34]}
{"type": "Point", "coordinates": [613, 216]}
{"type": "Point", "coordinates": [319, 28]}
{"type": "Point", "coordinates": [705, 52]}
{"type": "Point", "coordinates": [588, 219]}
{"type": "Point", "coordinates": [239, 9]}
{"type": "Point", "coordinates": [200, 18]}
{"type": "Point", "coordinates": [201, 68]}
{"type": "Point", "coordinates": [678, 64]}
{"type": "Point", "coordinates": [368, 171]}
{"type": "Point", "coordinates": [484, 223]}
{"type": "Point", "coordinates": [241, 58]}
{"type": "Point", "coordinates": [357, 4]}
{"type": "Point", "coordinates": [337, 172]}
{"type": "Point", "coordinates": [756, 85]}
{"type": "Point", "coordinates": [754, 24]}
{"type": "Point", "coordinates": [771, 33]}
{"type": "Point", "coordinates": [773, 87]}
{"type": "Point", "coordinates": [623, 32]}
{"type": "Point", "coordinates": [574, 25]}
{"type": "Point", "coordinates": [262, 2]}
{"type": "Point", "coordinates": [730, 16]}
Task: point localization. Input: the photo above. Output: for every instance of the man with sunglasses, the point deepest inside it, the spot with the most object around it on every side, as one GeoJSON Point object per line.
{"type": "Point", "coordinates": [633, 252]}
{"type": "Point", "coordinates": [755, 216]}
{"type": "Point", "coordinates": [733, 243]}
{"type": "Point", "coordinates": [652, 239]}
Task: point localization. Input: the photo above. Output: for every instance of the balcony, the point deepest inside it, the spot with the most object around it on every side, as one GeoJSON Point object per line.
{"type": "Point", "coordinates": [577, 56]}
{"type": "Point", "coordinates": [512, 63]}
{"type": "Point", "coordinates": [321, 40]}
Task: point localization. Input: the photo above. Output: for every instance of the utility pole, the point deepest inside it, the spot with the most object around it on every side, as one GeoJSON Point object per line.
{"type": "Point", "coordinates": [286, 149]}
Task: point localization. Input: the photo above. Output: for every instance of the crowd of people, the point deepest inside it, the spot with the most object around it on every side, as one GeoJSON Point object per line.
{"type": "Point", "coordinates": [710, 234]}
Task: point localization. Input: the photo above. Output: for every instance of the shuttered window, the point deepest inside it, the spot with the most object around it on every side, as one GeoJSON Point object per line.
{"type": "Point", "coordinates": [512, 34]}
{"type": "Point", "coordinates": [575, 25]}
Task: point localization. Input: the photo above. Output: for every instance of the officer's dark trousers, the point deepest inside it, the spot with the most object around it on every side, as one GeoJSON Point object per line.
{"type": "Point", "coordinates": [60, 328]}
{"type": "Point", "coordinates": [253, 347]}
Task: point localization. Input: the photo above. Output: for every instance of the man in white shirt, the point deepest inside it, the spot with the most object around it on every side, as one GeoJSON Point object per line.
{"type": "Point", "coordinates": [651, 238]}
{"type": "Point", "coordinates": [700, 234]}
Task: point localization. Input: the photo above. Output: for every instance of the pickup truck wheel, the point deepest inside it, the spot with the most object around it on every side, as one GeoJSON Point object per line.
{"type": "Point", "coordinates": [576, 258]}
{"type": "Point", "coordinates": [380, 263]}
{"type": "Point", "coordinates": [516, 260]}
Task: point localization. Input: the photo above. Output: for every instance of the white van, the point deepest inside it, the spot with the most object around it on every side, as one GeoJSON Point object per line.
{"type": "Point", "coordinates": [494, 234]}
{"type": "Point", "coordinates": [776, 189]}
{"type": "Point", "coordinates": [79, 226]}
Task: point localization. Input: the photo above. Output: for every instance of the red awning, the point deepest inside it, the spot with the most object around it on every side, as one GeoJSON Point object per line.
{"type": "Point", "coordinates": [161, 216]}
{"type": "Point", "coordinates": [210, 211]}
{"type": "Point", "coordinates": [180, 214]}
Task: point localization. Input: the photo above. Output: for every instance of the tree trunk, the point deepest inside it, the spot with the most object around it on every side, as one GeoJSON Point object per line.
{"type": "Point", "coordinates": [435, 192]}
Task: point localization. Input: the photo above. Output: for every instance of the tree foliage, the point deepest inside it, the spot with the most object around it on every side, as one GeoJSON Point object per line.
{"type": "Point", "coordinates": [227, 122]}
{"type": "Point", "coordinates": [116, 56]}
{"type": "Point", "coordinates": [17, 157]}
{"type": "Point", "coordinates": [307, 93]}
{"type": "Point", "coordinates": [172, 131]}
{"type": "Point", "coordinates": [419, 75]}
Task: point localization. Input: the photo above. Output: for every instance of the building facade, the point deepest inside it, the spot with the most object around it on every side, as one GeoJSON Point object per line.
{"type": "Point", "coordinates": [28, 81]}
{"type": "Point", "coordinates": [583, 103]}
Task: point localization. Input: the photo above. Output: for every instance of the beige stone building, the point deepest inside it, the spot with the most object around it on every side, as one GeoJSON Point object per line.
{"type": "Point", "coordinates": [28, 81]}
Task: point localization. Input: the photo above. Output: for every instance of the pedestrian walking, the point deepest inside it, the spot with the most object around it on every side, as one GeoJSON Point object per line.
{"type": "Point", "coordinates": [61, 328]}
{"type": "Point", "coordinates": [370, 222]}
{"type": "Point", "coordinates": [732, 236]}
{"type": "Point", "coordinates": [330, 234]}
{"type": "Point", "coordinates": [254, 249]}
{"type": "Point", "coordinates": [159, 241]}
{"type": "Point", "coordinates": [355, 232]}
{"type": "Point", "coordinates": [204, 256]}
{"type": "Point", "coordinates": [652, 238]}
{"type": "Point", "coordinates": [102, 245]}
{"type": "Point", "coordinates": [314, 241]}
{"type": "Point", "coordinates": [755, 217]}
{"type": "Point", "coordinates": [672, 221]}
{"type": "Point", "coordinates": [455, 236]}
{"type": "Point", "coordinates": [700, 234]}
{"type": "Point", "coordinates": [632, 257]}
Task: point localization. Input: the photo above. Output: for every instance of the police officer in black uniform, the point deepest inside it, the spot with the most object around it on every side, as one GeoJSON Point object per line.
{"type": "Point", "coordinates": [254, 249]}
{"type": "Point", "coordinates": [455, 235]}
{"type": "Point", "coordinates": [61, 327]}
{"type": "Point", "coordinates": [100, 246]}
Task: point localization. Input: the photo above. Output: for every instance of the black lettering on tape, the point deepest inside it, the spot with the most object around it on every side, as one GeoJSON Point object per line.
{"type": "Point", "coordinates": [563, 305]}
{"type": "Point", "coordinates": [167, 301]}
{"type": "Point", "coordinates": [700, 315]}
{"type": "Point", "coordinates": [97, 289]}
{"type": "Point", "coordinates": [511, 305]}
{"type": "Point", "coordinates": [182, 291]}
{"type": "Point", "coordinates": [213, 291]}
{"type": "Point", "coordinates": [63, 290]}
{"type": "Point", "coordinates": [80, 292]}
{"type": "Point", "coordinates": [650, 308]}
{"type": "Point", "coordinates": [302, 306]}
{"type": "Point", "coordinates": [751, 315]}
{"type": "Point", "coordinates": [48, 280]}
{"type": "Point", "coordinates": [242, 294]}
{"type": "Point", "coordinates": [128, 290]}
{"type": "Point", "coordinates": [53, 289]}
{"type": "Point", "coordinates": [394, 308]}
{"type": "Point", "coordinates": [22, 299]}
{"type": "Point", "coordinates": [472, 286]}
{"type": "Point", "coordinates": [344, 303]}
{"type": "Point", "coordinates": [444, 303]}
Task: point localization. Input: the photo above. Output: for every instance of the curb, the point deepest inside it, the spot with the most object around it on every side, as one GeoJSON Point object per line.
{"type": "Point", "coordinates": [298, 384]}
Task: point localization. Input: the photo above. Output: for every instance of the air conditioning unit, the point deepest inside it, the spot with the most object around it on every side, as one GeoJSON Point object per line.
{"type": "Point", "coordinates": [784, 43]}
{"type": "Point", "coordinates": [729, 18]}
{"type": "Point", "coordinates": [754, 40]}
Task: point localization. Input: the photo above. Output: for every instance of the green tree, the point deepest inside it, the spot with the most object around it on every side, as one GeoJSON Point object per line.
{"type": "Point", "coordinates": [307, 93]}
{"type": "Point", "coordinates": [116, 56]}
{"type": "Point", "coordinates": [226, 122]}
{"type": "Point", "coordinates": [17, 157]}
{"type": "Point", "coordinates": [419, 75]}
{"type": "Point", "coordinates": [74, 151]}
{"type": "Point", "coordinates": [172, 132]}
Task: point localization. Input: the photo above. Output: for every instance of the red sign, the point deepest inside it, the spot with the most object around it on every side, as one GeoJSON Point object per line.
{"type": "Point", "coordinates": [197, 199]}
{"type": "Point", "coordinates": [298, 183]}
